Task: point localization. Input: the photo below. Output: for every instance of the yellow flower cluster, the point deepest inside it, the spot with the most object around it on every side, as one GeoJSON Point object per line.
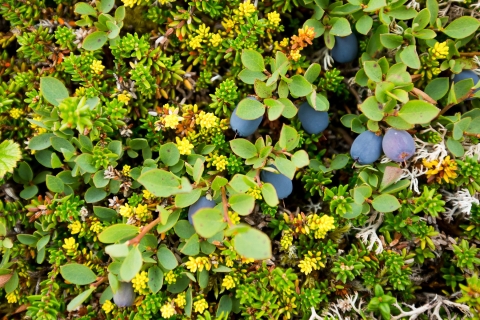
{"type": "Point", "coordinates": [168, 310]}
{"type": "Point", "coordinates": [247, 260]}
{"type": "Point", "coordinates": [170, 277]}
{"type": "Point", "coordinates": [97, 66]}
{"type": "Point", "coordinates": [195, 42]}
{"type": "Point", "coordinates": [438, 171]}
{"type": "Point", "coordinates": [245, 9]}
{"type": "Point", "coordinates": [12, 297]}
{"type": "Point", "coordinates": [142, 213]}
{"type": "Point", "coordinates": [126, 170]}
{"type": "Point", "coordinates": [124, 97]}
{"type": "Point", "coordinates": [216, 39]}
{"type": "Point", "coordinates": [307, 32]}
{"type": "Point", "coordinates": [311, 262]}
{"type": "Point", "coordinates": [75, 227]}
{"type": "Point", "coordinates": [140, 282]}
{"type": "Point", "coordinates": [203, 31]}
{"type": "Point", "coordinates": [181, 300]}
{"type": "Point", "coordinates": [256, 192]}
{"type": "Point", "coordinates": [126, 211]}
{"type": "Point", "coordinates": [220, 162]}
{"type": "Point", "coordinates": [287, 240]}
{"type": "Point", "coordinates": [320, 225]}
{"type": "Point", "coordinates": [200, 305]}
{"type": "Point", "coordinates": [129, 3]}
{"type": "Point", "coordinates": [439, 50]}
{"type": "Point", "coordinates": [206, 120]}
{"type": "Point", "coordinates": [228, 282]}
{"type": "Point", "coordinates": [147, 195]}
{"type": "Point", "coordinates": [184, 146]}
{"type": "Point", "coordinates": [295, 54]}
{"type": "Point", "coordinates": [16, 113]}
{"type": "Point", "coordinates": [70, 245]}
{"type": "Point", "coordinates": [228, 23]}
{"type": "Point", "coordinates": [172, 119]}
{"type": "Point", "coordinates": [284, 42]}
{"type": "Point", "coordinates": [108, 306]}
{"type": "Point", "coordinates": [234, 217]}
{"type": "Point", "coordinates": [96, 226]}
{"type": "Point", "coordinates": [198, 263]}
{"type": "Point", "coordinates": [274, 18]}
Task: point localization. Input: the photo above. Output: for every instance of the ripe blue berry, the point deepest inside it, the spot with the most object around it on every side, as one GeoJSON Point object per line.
{"type": "Point", "coordinates": [244, 127]}
{"type": "Point", "coordinates": [125, 296]}
{"type": "Point", "coordinates": [466, 74]}
{"type": "Point", "coordinates": [345, 49]}
{"type": "Point", "coordinates": [201, 203]}
{"type": "Point", "coordinates": [398, 145]}
{"type": "Point", "coordinates": [366, 148]}
{"type": "Point", "coordinates": [281, 183]}
{"type": "Point", "coordinates": [313, 121]}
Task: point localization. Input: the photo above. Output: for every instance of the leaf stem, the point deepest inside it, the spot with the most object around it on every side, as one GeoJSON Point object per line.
{"type": "Point", "coordinates": [145, 230]}
{"type": "Point", "coordinates": [448, 106]}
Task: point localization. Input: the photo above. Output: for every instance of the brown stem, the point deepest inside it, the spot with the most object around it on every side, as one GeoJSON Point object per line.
{"type": "Point", "coordinates": [145, 230]}
{"type": "Point", "coordinates": [469, 54]}
{"type": "Point", "coordinates": [225, 207]}
{"type": "Point", "coordinates": [257, 177]}
{"type": "Point", "coordinates": [99, 282]}
{"type": "Point", "coordinates": [420, 93]}
{"type": "Point", "coordinates": [354, 92]}
{"type": "Point", "coordinates": [448, 106]}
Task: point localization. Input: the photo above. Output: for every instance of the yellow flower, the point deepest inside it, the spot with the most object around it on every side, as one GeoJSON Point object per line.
{"type": "Point", "coordinates": [220, 162]}
{"type": "Point", "coordinates": [216, 39]}
{"type": "Point", "coordinates": [310, 262]}
{"type": "Point", "coordinates": [75, 227]}
{"type": "Point", "coordinates": [247, 260]}
{"type": "Point", "coordinates": [16, 113]}
{"type": "Point", "coordinates": [256, 192]}
{"type": "Point", "coordinates": [126, 170]}
{"type": "Point", "coordinates": [203, 30]}
{"type": "Point", "coordinates": [141, 211]}
{"type": "Point", "coordinates": [181, 300]}
{"type": "Point", "coordinates": [184, 146]}
{"type": "Point", "coordinates": [284, 42]}
{"type": "Point", "coordinates": [168, 310]}
{"type": "Point", "coordinates": [195, 42]}
{"type": "Point", "coordinates": [126, 211]}
{"type": "Point", "coordinates": [97, 66]}
{"type": "Point", "coordinates": [287, 240]}
{"type": "Point", "coordinates": [147, 195]}
{"type": "Point", "coordinates": [124, 97]}
{"type": "Point", "coordinates": [108, 306]}
{"type": "Point", "coordinates": [234, 217]}
{"type": "Point", "coordinates": [439, 50]}
{"type": "Point", "coordinates": [307, 32]}
{"type": "Point", "coordinates": [200, 305]}
{"type": "Point", "coordinates": [170, 277]}
{"type": "Point", "coordinates": [274, 18]}
{"type": "Point", "coordinates": [206, 120]}
{"type": "Point", "coordinates": [140, 282]}
{"type": "Point", "coordinates": [70, 244]}
{"type": "Point", "coordinates": [96, 227]}
{"type": "Point", "coordinates": [438, 171]}
{"type": "Point", "coordinates": [228, 262]}
{"type": "Point", "coordinates": [172, 119]}
{"type": "Point", "coordinates": [129, 3]}
{"type": "Point", "coordinates": [320, 225]}
{"type": "Point", "coordinates": [228, 23]}
{"type": "Point", "coordinates": [295, 55]}
{"type": "Point", "coordinates": [198, 263]}
{"type": "Point", "coordinates": [245, 9]}
{"type": "Point", "coordinates": [12, 297]}
{"type": "Point", "coordinates": [228, 282]}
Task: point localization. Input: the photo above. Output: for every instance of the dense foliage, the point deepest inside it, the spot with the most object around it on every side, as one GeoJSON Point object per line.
{"type": "Point", "coordinates": [227, 159]}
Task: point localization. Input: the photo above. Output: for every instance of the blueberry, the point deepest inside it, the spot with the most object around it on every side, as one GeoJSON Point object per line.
{"type": "Point", "coordinates": [124, 297]}
{"type": "Point", "coordinates": [345, 49]}
{"type": "Point", "coordinates": [398, 145]}
{"type": "Point", "coordinates": [466, 74]}
{"type": "Point", "coordinates": [244, 127]}
{"type": "Point", "coordinates": [201, 203]}
{"type": "Point", "coordinates": [367, 148]}
{"type": "Point", "coordinates": [280, 182]}
{"type": "Point", "coordinates": [313, 121]}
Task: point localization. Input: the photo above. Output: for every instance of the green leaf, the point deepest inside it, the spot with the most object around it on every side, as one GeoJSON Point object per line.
{"type": "Point", "coordinates": [289, 110]}
{"type": "Point", "coordinates": [155, 279]}
{"type": "Point", "coordinates": [250, 109]}
{"type": "Point", "coordinates": [299, 87]}
{"type": "Point", "coordinates": [252, 60]}
{"type": "Point", "coordinates": [184, 200]}
{"type": "Point", "coordinates": [84, 8]}
{"type": "Point", "coordinates": [373, 70]}
{"type": "Point", "coordinates": [131, 265]}
{"type": "Point", "coordinates": [269, 194]}
{"type": "Point", "coordinates": [317, 26]}
{"type": "Point", "coordinates": [300, 159]}
{"type": "Point", "coordinates": [94, 195]}
{"type": "Point", "coordinates": [192, 246]}
{"type": "Point", "coordinates": [85, 162]}
{"type": "Point", "coordinates": [243, 148]}
{"type": "Point", "coordinates": [364, 24]}
{"type": "Point", "coordinates": [242, 203]}
{"type": "Point", "coordinates": [275, 109]}
{"type": "Point", "coordinates": [170, 222]}
{"type": "Point", "coordinates": [421, 20]}
{"type": "Point", "coordinates": [218, 182]}
{"type": "Point", "coordinates": [418, 112]}
{"type": "Point", "coordinates": [117, 250]}
{"type": "Point", "coordinates": [120, 14]}
{"type": "Point", "coordinates": [312, 72]}
{"type": "Point", "coordinates": [455, 147]}
{"type": "Point", "coordinates": [105, 6]}
{"type": "Point", "coordinates": [160, 182]}
{"type": "Point", "coordinates": [253, 244]}
{"type": "Point", "coordinates": [77, 274]}
{"type": "Point", "coordinates": [289, 138]}
{"type": "Point", "coordinates": [184, 229]}
{"type": "Point", "coordinates": [372, 109]}
{"type": "Point", "coordinates": [41, 141]}
{"type": "Point", "coordinates": [224, 306]}
{"type": "Point", "coordinates": [391, 41]}
{"type": "Point", "coordinates": [117, 232]}
{"type": "Point", "coordinates": [410, 57]}
{"type": "Point", "coordinates": [374, 5]}
{"type": "Point", "coordinates": [208, 221]}
{"type": "Point", "coordinates": [78, 300]}
{"type": "Point", "coordinates": [53, 90]}
{"type": "Point", "coordinates": [54, 184]}
{"type": "Point", "coordinates": [339, 162]}
{"type": "Point", "coordinates": [95, 40]}
{"type": "Point", "coordinates": [398, 123]}
{"type": "Point", "coordinates": [462, 27]}
{"type": "Point", "coordinates": [318, 101]}
{"type": "Point", "coordinates": [166, 258]}
{"type": "Point", "coordinates": [437, 88]}
{"type": "Point", "coordinates": [249, 76]}
{"type": "Point", "coordinates": [10, 154]}
{"type": "Point", "coordinates": [262, 90]}
{"type": "Point", "coordinates": [361, 193]}
{"type": "Point", "coordinates": [286, 167]}
{"type": "Point", "coordinates": [390, 176]}
{"type": "Point", "coordinates": [340, 27]}
{"type": "Point", "coordinates": [385, 203]}
{"type": "Point", "coordinates": [169, 154]}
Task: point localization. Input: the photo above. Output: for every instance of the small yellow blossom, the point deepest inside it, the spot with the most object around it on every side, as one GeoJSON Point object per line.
{"type": "Point", "coordinates": [245, 9]}
{"type": "Point", "coordinates": [124, 97]}
{"type": "Point", "coordinates": [108, 306]}
{"type": "Point", "coordinates": [172, 119]}
{"type": "Point", "coordinates": [256, 192]}
{"type": "Point", "coordinates": [220, 162]}
{"type": "Point", "coordinates": [140, 282]}
{"type": "Point", "coordinates": [247, 260]}
{"type": "Point", "coordinates": [129, 3]}
{"type": "Point", "coordinates": [320, 225]}
{"type": "Point", "coordinates": [311, 262]}
{"type": "Point", "coordinates": [228, 282]}
{"type": "Point", "coordinates": [70, 244]}
{"type": "Point", "coordinates": [200, 305]}
{"type": "Point", "coordinates": [126, 170]}
{"type": "Point", "coordinates": [439, 50]}
{"type": "Point", "coordinates": [203, 31]}
{"type": "Point", "coordinates": [181, 300]}
{"type": "Point", "coordinates": [195, 42]}
{"type": "Point", "coordinates": [16, 113]}
{"type": "Point", "coordinates": [198, 263]}
{"type": "Point", "coordinates": [228, 23]}
{"type": "Point", "coordinates": [206, 120]}
{"type": "Point", "coordinates": [126, 211]}
{"type": "Point", "coordinates": [170, 277]}
{"type": "Point", "coordinates": [147, 195]}
{"type": "Point", "coordinates": [216, 39]}
{"type": "Point", "coordinates": [284, 42]}
{"type": "Point", "coordinates": [228, 262]}
{"type": "Point", "coordinates": [96, 226]}
{"type": "Point", "coordinates": [295, 55]}
{"type": "Point", "coordinates": [12, 297]}
{"type": "Point", "coordinates": [438, 171]}
{"type": "Point", "coordinates": [274, 18]}
{"type": "Point", "coordinates": [184, 146]}
{"type": "Point", "coordinates": [234, 217]}
{"type": "Point", "coordinates": [141, 211]}
{"type": "Point", "coordinates": [75, 227]}
{"type": "Point", "coordinates": [168, 310]}
{"type": "Point", "coordinates": [287, 240]}
{"type": "Point", "coordinates": [97, 66]}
